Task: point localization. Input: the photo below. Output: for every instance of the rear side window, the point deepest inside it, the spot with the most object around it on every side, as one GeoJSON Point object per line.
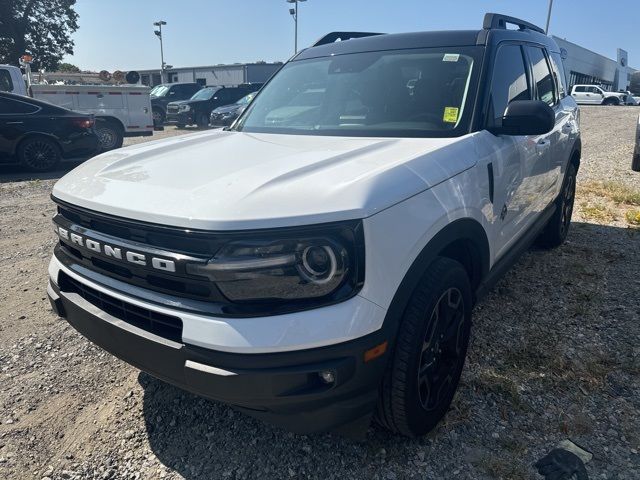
{"type": "Point", "coordinates": [6, 85]}
{"type": "Point", "coordinates": [542, 77]}
{"type": "Point", "coordinates": [558, 72]}
{"type": "Point", "coordinates": [509, 81]}
{"type": "Point", "coordinates": [12, 107]}
{"type": "Point", "coordinates": [580, 89]}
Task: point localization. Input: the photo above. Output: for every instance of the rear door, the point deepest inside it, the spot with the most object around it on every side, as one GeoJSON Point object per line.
{"type": "Point", "coordinates": [580, 94]}
{"type": "Point", "coordinates": [16, 119]}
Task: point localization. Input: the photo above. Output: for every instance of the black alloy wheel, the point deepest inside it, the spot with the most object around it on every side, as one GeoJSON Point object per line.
{"type": "Point", "coordinates": [39, 154]}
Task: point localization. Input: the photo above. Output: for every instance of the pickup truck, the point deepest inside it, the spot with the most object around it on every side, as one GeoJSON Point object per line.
{"type": "Point", "coordinates": [594, 95]}
{"type": "Point", "coordinates": [120, 110]}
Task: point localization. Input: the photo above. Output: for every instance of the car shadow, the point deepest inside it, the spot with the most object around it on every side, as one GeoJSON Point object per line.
{"type": "Point", "coordinates": [202, 439]}
{"type": "Point", "coordinates": [11, 172]}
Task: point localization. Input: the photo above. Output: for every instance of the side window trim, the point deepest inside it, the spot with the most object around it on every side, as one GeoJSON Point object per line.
{"type": "Point", "coordinates": [36, 107]}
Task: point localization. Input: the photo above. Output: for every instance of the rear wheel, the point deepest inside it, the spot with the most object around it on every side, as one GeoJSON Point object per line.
{"type": "Point", "coordinates": [39, 154]}
{"type": "Point", "coordinates": [111, 135]}
{"type": "Point", "coordinates": [555, 233]}
{"type": "Point", "coordinates": [424, 370]}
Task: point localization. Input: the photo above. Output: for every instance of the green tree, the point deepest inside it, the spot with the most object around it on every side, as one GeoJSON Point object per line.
{"type": "Point", "coordinates": [41, 28]}
{"type": "Point", "coordinates": [68, 67]}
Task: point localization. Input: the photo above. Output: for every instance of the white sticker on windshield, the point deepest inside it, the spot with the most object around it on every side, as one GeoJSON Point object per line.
{"type": "Point", "coordinates": [451, 57]}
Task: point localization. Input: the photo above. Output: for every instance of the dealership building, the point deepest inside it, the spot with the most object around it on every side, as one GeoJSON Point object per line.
{"type": "Point", "coordinates": [218, 75]}
{"type": "Point", "coordinates": [583, 66]}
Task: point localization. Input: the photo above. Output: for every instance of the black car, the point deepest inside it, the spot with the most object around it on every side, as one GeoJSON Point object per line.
{"type": "Point", "coordinates": [225, 116]}
{"type": "Point", "coordinates": [162, 95]}
{"type": "Point", "coordinates": [39, 134]}
{"type": "Point", "coordinates": [198, 108]}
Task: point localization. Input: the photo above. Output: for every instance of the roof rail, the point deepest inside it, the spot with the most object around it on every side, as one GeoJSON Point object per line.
{"type": "Point", "coordinates": [496, 20]}
{"type": "Point", "coordinates": [342, 36]}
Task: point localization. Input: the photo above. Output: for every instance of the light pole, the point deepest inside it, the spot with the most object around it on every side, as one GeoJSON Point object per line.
{"type": "Point", "coordinates": [294, 13]}
{"type": "Point", "coordinates": [546, 30]}
{"type": "Point", "coordinates": [158, 33]}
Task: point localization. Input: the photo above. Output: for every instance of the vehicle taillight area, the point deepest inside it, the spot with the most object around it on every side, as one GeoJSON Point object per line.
{"type": "Point", "coordinates": [84, 122]}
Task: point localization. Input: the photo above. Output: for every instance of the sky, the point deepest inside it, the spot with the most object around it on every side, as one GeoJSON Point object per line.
{"type": "Point", "coordinates": [118, 34]}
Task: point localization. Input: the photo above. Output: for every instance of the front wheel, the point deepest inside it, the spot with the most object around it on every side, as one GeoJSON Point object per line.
{"type": "Point", "coordinates": [202, 120]}
{"type": "Point", "coordinates": [425, 367]}
{"type": "Point", "coordinates": [611, 101]}
{"type": "Point", "coordinates": [555, 232]}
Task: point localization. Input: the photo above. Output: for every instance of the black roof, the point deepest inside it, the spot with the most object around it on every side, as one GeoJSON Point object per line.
{"type": "Point", "coordinates": [494, 30]}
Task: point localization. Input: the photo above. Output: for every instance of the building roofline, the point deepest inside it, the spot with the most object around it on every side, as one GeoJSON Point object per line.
{"type": "Point", "coordinates": [200, 67]}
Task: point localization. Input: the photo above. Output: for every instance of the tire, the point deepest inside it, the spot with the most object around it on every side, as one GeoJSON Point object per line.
{"type": "Point", "coordinates": [110, 134]}
{"type": "Point", "coordinates": [433, 334]}
{"type": "Point", "coordinates": [202, 120]}
{"type": "Point", "coordinates": [611, 101]}
{"type": "Point", "coordinates": [179, 125]}
{"type": "Point", "coordinates": [158, 117]}
{"type": "Point", "coordinates": [39, 154]}
{"type": "Point", "coordinates": [555, 232]}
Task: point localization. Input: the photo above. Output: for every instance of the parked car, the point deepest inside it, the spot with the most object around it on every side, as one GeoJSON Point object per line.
{"type": "Point", "coordinates": [198, 108]}
{"type": "Point", "coordinates": [39, 134]}
{"type": "Point", "coordinates": [225, 116]}
{"type": "Point", "coordinates": [318, 267]}
{"type": "Point", "coordinates": [594, 95]}
{"type": "Point", "coordinates": [162, 95]}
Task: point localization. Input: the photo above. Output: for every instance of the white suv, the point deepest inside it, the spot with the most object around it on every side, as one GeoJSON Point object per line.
{"type": "Point", "coordinates": [318, 261]}
{"type": "Point", "coordinates": [594, 95]}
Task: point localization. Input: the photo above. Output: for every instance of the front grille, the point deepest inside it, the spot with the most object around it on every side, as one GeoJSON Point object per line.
{"type": "Point", "coordinates": [172, 109]}
{"type": "Point", "coordinates": [165, 326]}
{"type": "Point", "coordinates": [193, 244]}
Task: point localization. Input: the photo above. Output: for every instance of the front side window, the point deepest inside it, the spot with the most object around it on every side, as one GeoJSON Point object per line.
{"type": "Point", "coordinates": [417, 93]}
{"type": "Point", "coordinates": [509, 82]}
{"type": "Point", "coordinates": [542, 77]}
{"type": "Point", "coordinates": [6, 84]}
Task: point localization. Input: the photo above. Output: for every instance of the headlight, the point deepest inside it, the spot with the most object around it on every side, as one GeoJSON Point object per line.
{"type": "Point", "coordinates": [184, 108]}
{"type": "Point", "coordinates": [316, 265]}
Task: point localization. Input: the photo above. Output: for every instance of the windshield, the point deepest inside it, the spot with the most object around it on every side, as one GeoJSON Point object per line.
{"type": "Point", "coordinates": [422, 92]}
{"type": "Point", "coordinates": [204, 94]}
{"type": "Point", "coordinates": [246, 99]}
{"type": "Point", "coordinates": [159, 91]}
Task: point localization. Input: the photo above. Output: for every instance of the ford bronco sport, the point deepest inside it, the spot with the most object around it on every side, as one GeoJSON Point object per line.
{"type": "Point", "coordinates": [316, 263]}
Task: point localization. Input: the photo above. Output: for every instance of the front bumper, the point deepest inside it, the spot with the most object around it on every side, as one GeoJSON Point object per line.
{"type": "Point", "coordinates": [283, 388]}
{"type": "Point", "coordinates": [181, 118]}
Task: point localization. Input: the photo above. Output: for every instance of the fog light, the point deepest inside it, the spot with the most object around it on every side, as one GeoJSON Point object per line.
{"type": "Point", "coordinates": [327, 376]}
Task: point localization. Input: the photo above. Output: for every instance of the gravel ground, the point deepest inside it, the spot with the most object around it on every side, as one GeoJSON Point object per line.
{"type": "Point", "coordinates": [554, 355]}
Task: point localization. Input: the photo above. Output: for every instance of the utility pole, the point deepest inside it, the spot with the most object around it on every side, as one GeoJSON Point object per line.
{"type": "Point", "coordinates": [158, 33]}
{"type": "Point", "coordinates": [294, 14]}
{"type": "Point", "coordinates": [546, 30]}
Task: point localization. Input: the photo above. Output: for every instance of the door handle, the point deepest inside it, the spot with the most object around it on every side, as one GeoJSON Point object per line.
{"type": "Point", "coordinates": [15, 123]}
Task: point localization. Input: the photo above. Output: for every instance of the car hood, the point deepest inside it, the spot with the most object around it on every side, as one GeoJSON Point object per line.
{"type": "Point", "coordinates": [224, 180]}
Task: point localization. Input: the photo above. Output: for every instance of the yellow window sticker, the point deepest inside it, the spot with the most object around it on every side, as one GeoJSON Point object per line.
{"type": "Point", "coordinates": [450, 114]}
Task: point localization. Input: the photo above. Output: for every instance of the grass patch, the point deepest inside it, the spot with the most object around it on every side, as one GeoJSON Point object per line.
{"type": "Point", "coordinates": [598, 211]}
{"type": "Point", "coordinates": [615, 191]}
{"type": "Point", "coordinates": [633, 216]}
{"type": "Point", "coordinates": [499, 468]}
{"type": "Point", "coordinates": [500, 385]}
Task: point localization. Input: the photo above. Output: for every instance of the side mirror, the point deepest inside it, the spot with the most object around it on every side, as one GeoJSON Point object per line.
{"type": "Point", "coordinates": [527, 117]}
